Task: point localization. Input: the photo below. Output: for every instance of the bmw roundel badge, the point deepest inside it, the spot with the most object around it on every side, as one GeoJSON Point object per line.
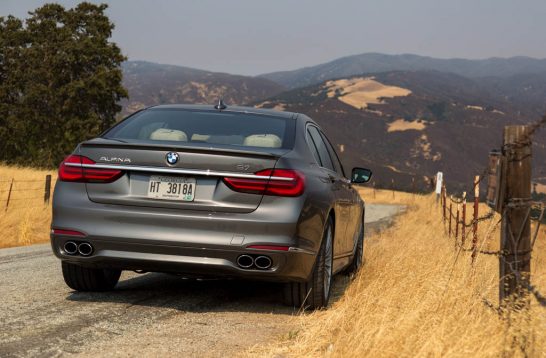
{"type": "Point", "coordinates": [172, 158]}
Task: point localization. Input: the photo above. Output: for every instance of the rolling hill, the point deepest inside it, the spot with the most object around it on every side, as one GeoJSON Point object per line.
{"type": "Point", "coordinates": [151, 83]}
{"type": "Point", "coordinates": [376, 63]}
{"type": "Point", "coordinates": [407, 125]}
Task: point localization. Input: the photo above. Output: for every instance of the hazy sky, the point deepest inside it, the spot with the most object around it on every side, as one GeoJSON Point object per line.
{"type": "Point", "coordinates": [253, 36]}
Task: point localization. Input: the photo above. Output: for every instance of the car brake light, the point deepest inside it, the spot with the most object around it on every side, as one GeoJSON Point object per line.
{"type": "Point", "coordinates": [67, 232]}
{"type": "Point", "coordinates": [71, 169]}
{"type": "Point", "coordinates": [277, 182]}
{"type": "Point", "coordinates": [269, 247]}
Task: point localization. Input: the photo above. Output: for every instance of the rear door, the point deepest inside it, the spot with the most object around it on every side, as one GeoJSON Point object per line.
{"type": "Point", "coordinates": [342, 205]}
{"type": "Point", "coordinates": [179, 161]}
{"type": "Point", "coordinates": [348, 198]}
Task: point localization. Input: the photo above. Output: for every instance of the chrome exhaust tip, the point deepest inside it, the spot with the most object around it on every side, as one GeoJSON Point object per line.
{"type": "Point", "coordinates": [70, 247]}
{"type": "Point", "coordinates": [85, 249]}
{"type": "Point", "coordinates": [245, 261]}
{"type": "Point", "coordinates": [263, 262]}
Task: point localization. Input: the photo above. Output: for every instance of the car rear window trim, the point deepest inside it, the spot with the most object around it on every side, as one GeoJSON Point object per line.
{"type": "Point", "coordinates": [288, 138]}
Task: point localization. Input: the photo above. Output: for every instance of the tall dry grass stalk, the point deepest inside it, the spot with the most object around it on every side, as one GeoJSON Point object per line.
{"type": "Point", "coordinates": [26, 220]}
{"type": "Point", "coordinates": [417, 296]}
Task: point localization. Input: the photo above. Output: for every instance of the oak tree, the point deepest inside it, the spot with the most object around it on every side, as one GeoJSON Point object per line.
{"type": "Point", "coordinates": [60, 81]}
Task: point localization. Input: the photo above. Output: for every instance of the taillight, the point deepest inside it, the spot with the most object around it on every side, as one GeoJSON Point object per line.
{"type": "Point", "coordinates": [71, 169]}
{"type": "Point", "coordinates": [277, 182]}
{"type": "Point", "coordinates": [269, 247]}
{"type": "Point", "coordinates": [67, 232]}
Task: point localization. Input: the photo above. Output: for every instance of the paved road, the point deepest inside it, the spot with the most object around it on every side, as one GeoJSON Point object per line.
{"type": "Point", "coordinates": [147, 315]}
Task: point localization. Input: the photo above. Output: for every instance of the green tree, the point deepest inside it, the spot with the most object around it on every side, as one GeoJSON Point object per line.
{"type": "Point", "coordinates": [438, 110]}
{"type": "Point", "coordinates": [60, 82]}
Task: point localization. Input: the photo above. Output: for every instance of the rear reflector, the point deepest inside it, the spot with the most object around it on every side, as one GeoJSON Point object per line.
{"type": "Point", "coordinates": [71, 169]}
{"type": "Point", "coordinates": [277, 182]}
{"type": "Point", "coordinates": [67, 232]}
{"type": "Point", "coordinates": [269, 247]}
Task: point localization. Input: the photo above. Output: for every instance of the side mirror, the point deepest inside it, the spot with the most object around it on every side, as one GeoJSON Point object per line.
{"type": "Point", "coordinates": [361, 175]}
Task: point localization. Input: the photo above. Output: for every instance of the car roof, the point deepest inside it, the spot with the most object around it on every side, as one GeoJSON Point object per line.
{"type": "Point", "coordinates": [229, 109]}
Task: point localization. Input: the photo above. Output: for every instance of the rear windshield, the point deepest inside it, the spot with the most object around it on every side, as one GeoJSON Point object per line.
{"type": "Point", "coordinates": [223, 128]}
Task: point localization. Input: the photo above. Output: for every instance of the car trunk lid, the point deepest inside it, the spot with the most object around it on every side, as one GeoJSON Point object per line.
{"type": "Point", "coordinates": [204, 165]}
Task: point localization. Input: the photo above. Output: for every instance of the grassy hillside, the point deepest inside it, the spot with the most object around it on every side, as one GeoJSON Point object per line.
{"type": "Point", "coordinates": [152, 84]}
{"type": "Point", "coordinates": [416, 296]}
{"type": "Point", "coordinates": [378, 62]}
{"type": "Point", "coordinates": [26, 219]}
{"type": "Point", "coordinates": [408, 125]}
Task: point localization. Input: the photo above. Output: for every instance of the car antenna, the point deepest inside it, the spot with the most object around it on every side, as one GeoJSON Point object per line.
{"type": "Point", "coordinates": [221, 105]}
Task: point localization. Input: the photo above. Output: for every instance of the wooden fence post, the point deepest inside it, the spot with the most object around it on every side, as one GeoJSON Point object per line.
{"type": "Point", "coordinates": [9, 194]}
{"type": "Point", "coordinates": [392, 187]}
{"type": "Point", "coordinates": [457, 223]}
{"type": "Point", "coordinates": [47, 189]}
{"type": "Point", "coordinates": [475, 218]}
{"type": "Point", "coordinates": [450, 212]}
{"type": "Point", "coordinates": [444, 202]}
{"type": "Point", "coordinates": [374, 189]}
{"type": "Point", "coordinates": [413, 187]}
{"type": "Point", "coordinates": [515, 257]}
{"type": "Point", "coordinates": [463, 221]}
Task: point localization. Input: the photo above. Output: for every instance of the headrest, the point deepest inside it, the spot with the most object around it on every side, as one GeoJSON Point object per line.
{"type": "Point", "coordinates": [169, 134]}
{"type": "Point", "coordinates": [263, 140]}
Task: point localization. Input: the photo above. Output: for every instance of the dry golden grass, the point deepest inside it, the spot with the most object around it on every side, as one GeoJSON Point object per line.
{"type": "Point", "coordinates": [417, 297]}
{"type": "Point", "coordinates": [478, 108]}
{"type": "Point", "coordinates": [401, 125]}
{"type": "Point", "coordinates": [386, 196]}
{"type": "Point", "coordinates": [359, 92]}
{"type": "Point", "coordinates": [26, 220]}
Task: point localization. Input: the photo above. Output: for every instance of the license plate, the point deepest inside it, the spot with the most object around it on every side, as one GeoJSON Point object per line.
{"type": "Point", "coordinates": [171, 188]}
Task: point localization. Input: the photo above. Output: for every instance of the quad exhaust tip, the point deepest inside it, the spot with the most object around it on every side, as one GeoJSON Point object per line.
{"type": "Point", "coordinates": [245, 261]}
{"type": "Point", "coordinates": [263, 262]}
{"type": "Point", "coordinates": [70, 247]}
{"type": "Point", "coordinates": [85, 249]}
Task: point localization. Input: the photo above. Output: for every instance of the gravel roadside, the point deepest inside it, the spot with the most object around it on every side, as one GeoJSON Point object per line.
{"type": "Point", "coordinates": [147, 315]}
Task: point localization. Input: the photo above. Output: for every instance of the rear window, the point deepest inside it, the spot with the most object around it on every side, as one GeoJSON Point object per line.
{"type": "Point", "coordinates": [222, 128]}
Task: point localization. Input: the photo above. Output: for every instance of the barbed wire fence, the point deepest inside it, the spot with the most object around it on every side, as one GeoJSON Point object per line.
{"type": "Point", "coordinates": [508, 196]}
{"type": "Point", "coordinates": [25, 193]}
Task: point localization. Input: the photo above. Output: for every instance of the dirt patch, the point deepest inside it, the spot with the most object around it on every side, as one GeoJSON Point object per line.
{"type": "Point", "coordinates": [278, 106]}
{"type": "Point", "coordinates": [361, 91]}
{"type": "Point", "coordinates": [423, 148]}
{"type": "Point", "coordinates": [401, 125]}
{"type": "Point", "coordinates": [477, 108]}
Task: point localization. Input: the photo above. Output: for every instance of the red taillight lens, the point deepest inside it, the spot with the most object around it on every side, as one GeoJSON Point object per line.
{"type": "Point", "coordinates": [76, 172]}
{"type": "Point", "coordinates": [269, 247]}
{"type": "Point", "coordinates": [67, 232]}
{"type": "Point", "coordinates": [277, 182]}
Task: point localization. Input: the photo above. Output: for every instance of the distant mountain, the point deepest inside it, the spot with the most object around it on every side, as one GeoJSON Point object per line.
{"type": "Point", "coordinates": [151, 83]}
{"type": "Point", "coordinates": [409, 125]}
{"type": "Point", "coordinates": [376, 62]}
{"type": "Point", "coordinates": [404, 124]}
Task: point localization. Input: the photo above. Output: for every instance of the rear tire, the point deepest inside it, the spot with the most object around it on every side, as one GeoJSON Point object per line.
{"type": "Point", "coordinates": [81, 278]}
{"type": "Point", "coordinates": [358, 257]}
{"type": "Point", "coordinates": [315, 293]}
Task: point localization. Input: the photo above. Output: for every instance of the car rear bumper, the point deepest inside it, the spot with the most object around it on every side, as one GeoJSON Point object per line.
{"type": "Point", "coordinates": [126, 255]}
{"type": "Point", "coordinates": [182, 241]}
